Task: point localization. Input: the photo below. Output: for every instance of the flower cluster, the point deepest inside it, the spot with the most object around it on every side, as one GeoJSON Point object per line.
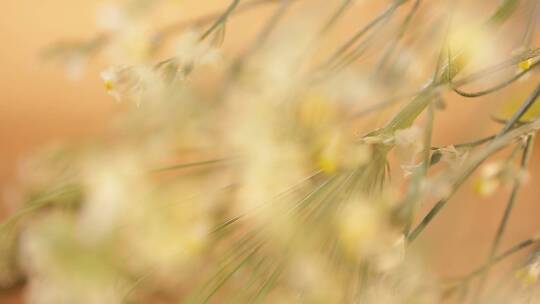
{"type": "Point", "coordinates": [262, 177]}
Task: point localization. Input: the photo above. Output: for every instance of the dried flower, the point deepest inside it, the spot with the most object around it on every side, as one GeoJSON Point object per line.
{"type": "Point", "coordinates": [493, 175]}
{"type": "Point", "coordinates": [409, 144]}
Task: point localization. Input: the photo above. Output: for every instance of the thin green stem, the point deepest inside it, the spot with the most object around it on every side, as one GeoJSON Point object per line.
{"type": "Point", "coordinates": [526, 55]}
{"type": "Point", "coordinates": [262, 36]}
{"type": "Point", "coordinates": [487, 266]}
{"type": "Point", "coordinates": [192, 164]}
{"type": "Point", "coordinates": [516, 248]}
{"type": "Point", "coordinates": [475, 143]}
{"type": "Point", "coordinates": [413, 194]}
{"type": "Point", "coordinates": [506, 216]}
{"type": "Point", "coordinates": [36, 204]}
{"type": "Point", "coordinates": [221, 20]}
{"type": "Point", "coordinates": [335, 17]}
{"type": "Point", "coordinates": [229, 274]}
{"type": "Point", "coordinates": [531, 25]}
{"type": "Point", "coordinates": [349, 43]}
{"type": "Point", "coordinates": [527, 104]}
{"type": "Point", "coordinates": [401, 32]}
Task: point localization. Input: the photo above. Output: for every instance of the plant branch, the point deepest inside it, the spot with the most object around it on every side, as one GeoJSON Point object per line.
{"type": "Point", "coordinates": [473, 163]}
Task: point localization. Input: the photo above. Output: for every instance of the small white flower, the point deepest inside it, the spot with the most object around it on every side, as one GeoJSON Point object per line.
{"type": "Point", "coordinates": [493, 175]}
{"type": "Point", "coordinates": [111, 82]}
{"type": "Point", "coordinates": [131, 83]}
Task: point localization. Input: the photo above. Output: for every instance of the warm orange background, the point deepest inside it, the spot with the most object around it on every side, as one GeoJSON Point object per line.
{"type": "Point", "coordinates": [39, 105]}
{"type": "Point", "coordinates": [37, 102]}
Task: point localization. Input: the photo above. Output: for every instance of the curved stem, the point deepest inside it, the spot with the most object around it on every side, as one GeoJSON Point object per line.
{"type": "Point", "coordinates": [497, 87]}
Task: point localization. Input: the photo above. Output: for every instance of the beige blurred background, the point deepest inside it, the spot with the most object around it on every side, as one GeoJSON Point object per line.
{"type": "Point", "coordinates": [39, 106]}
